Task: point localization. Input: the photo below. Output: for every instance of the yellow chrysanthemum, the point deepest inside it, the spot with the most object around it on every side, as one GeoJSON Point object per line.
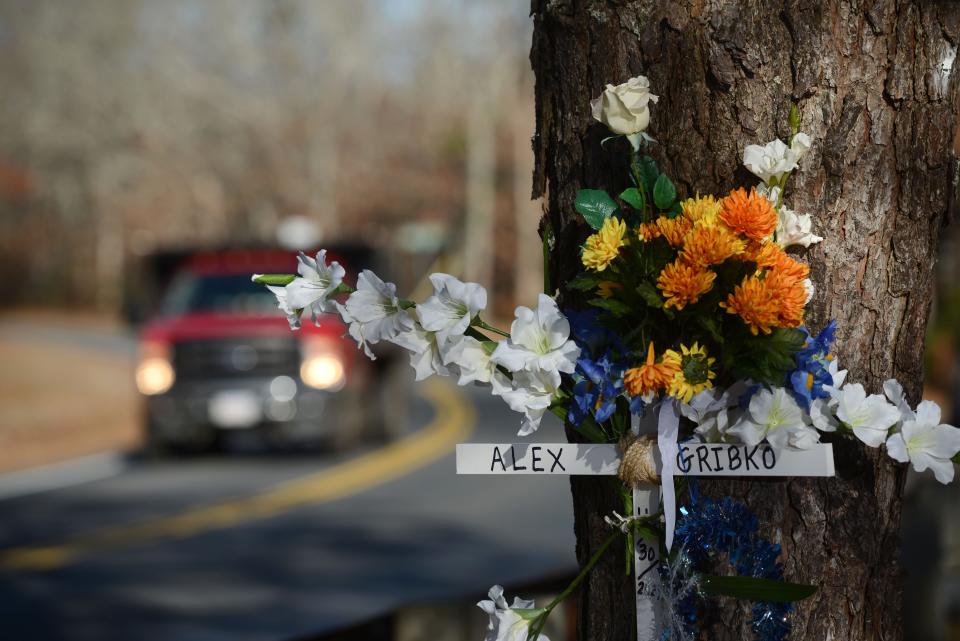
{"type": "Point", "coordinates": [756, 303]}
{"type": "Point", "coordinates": [710, 244]}
{"type": "Point", "coordinates": [651, 377]}
{"type": "Point", "coordinates": [693, 371]}
{"type": "Point", "coordinates": [674, 229]}
{"type": "Point", "coordinates": [602, 247]}
{"type": "Point", "coordinates": [749, 213]}
{"type": "Point", "coordinates": [606, 288]}
{"type": "Point", "coordinates": [702, 209]}
{"type": "Point", "coordinates": [683, 283]}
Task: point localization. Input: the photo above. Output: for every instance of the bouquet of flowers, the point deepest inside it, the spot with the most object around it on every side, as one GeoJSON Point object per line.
{"type": "Point", "coordinates": [691, 301]}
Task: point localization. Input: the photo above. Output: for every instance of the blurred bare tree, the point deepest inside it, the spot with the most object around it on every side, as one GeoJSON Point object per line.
{"type": "Point", "coordinates": [127, 125]}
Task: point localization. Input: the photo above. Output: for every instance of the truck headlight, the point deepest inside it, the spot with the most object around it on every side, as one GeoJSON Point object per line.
{"type": "Point", "coordinates": [322, 366]}
{"type": "Point", "coordinates": [154, 373]}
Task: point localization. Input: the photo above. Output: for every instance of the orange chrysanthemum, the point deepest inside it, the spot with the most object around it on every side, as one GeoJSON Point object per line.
{"type": "Point", "coordinates": [790, 295]}
{"type": "Point", "coordinates": [749, 214]}
{"type": "Point", "coordinates": [710, 245]}
{"type": "Point", "coordinates": [649, 377]}
{"type": "Point", "coordinates": [702, 209]}
{"type": "Point", "coordinates": [765, 254]}
{"type": "Point", "coordinates": [755, 303]}
{"type": "Point", "coordinates": [674, 229]}
{"type": "Point", "coordinates": [789, 269]}
{"type": "Point", "coordinates": [648, 231]}
{"type": "Point", "coordinates": [683, 283]}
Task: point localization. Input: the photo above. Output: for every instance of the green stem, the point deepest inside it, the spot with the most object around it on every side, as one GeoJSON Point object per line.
{"type": "Point", "coordinates": [477, 322]}
{"type": "Point", "coordinates": [538, 627]}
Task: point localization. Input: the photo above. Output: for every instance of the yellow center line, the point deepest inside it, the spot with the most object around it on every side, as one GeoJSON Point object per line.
{"type": "Point", "coordinates": [452, 422]}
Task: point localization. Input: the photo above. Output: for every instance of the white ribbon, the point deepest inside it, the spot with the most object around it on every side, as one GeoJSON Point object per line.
{"type": "Point", "coordinates": [668, 427]}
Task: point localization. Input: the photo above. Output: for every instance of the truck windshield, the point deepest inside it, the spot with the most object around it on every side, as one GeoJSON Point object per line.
{"type": "Point", "coordinates": [191, 293]}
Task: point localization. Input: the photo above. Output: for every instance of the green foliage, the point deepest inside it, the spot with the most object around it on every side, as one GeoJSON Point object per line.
{"type": "Point", "coordinates": [764, 358]}
{"type": "Point", "coordinates": [633, 197]}
{"type": "Point", "coordinates": [649, 294]}
{"type": "Point", "coordinates": [617, 308]}
{"type": "Point", "coordinates": [754, 589]}
{"type": "Point", "coordinates": [645, 173]}
{"type": "Point", "coordinates": [595, 205]}
{"type": "Point", "coordinates": [664, 193]}
{"type": "Point", "coordinates": [585, 281]}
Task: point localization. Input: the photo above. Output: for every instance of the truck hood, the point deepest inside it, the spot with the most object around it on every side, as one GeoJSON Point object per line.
{"type": "Point", "coordinates": [217, 325]}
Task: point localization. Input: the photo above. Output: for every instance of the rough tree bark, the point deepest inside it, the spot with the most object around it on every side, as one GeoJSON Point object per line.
{"type": "Point", "coordinates": [873, 81]}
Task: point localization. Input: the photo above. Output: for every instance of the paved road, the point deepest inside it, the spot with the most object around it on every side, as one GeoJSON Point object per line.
{"type": "Point", "coordinates": [261, 546]}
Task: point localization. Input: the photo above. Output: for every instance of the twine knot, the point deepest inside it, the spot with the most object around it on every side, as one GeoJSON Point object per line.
{"type": "Point", "coordinates": [637, 466]}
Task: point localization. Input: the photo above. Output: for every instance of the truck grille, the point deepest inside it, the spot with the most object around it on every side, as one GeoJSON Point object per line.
{"type": "Point", "coordinates": [236, 358]}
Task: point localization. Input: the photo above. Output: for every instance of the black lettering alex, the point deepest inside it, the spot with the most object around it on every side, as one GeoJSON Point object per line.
{"type": "Point", "coordinates": [535, 458]}
{"type": "Point", "coordinates": [497, 458]}
{"type": "Point", "coordinates": [556, 459]}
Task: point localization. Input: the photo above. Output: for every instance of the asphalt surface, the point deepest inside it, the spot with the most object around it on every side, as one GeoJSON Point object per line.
{"type": "Point", "coordinates": [295, 570]}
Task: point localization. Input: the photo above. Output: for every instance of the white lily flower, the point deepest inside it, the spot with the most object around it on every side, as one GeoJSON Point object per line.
{"type": "Point", "coordinates": [508, 622]}
{"type": "Point", "coordinates": [355, 331]}
{"type": "Point", "coordinates": [376, 308]}
{"type": "Point", "coordinates": [795, 229]}
{"type": "Point", "coordinates": [893, 390]}
{"type": "Point", "coordinates": [771, 192]}
{"type": "Point", "coordinates": [925, 443]}
{"type": "Point", "coordinates": [822, 415]}
{"type": "Point", "coordinates": [452, 306]}
{"type": "Point", "coordinates": [799, 146]}
{"type": "Point", "coordinates": [838, 376]}
{"type": "Point", "coordinates": [776, 416]}
{"type": "Point", "coordinates": [317, 281]}
{"type": "Point", "coordinates": [539, 339]}
{"type": "Point", "coordinates": [870, 417]}
{"type": "Point", "coordinates": [769, 162]}
{"type": "Point", "coordinates": [425, 354]}
{"type": "Point", "coordinates": [293, 315]}
{"type": "Point", "coordinates": [475, 364]}
{"type": "Point", "coordinates": [531, 393]}
{"type": "Point", "coordinates": [710, 410]}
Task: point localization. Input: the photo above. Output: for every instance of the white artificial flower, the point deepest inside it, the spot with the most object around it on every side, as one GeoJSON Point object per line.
{"type": "Point", "coordinates": [539, 339]}
{"type": "Point", "coordinates": [625, 108]}
{"type": "Point", "coordinates": [376, 308]}
{"type": "Point", "coordinates": [474, 363]}
{"type": "Point", "coordinates": [293, 315]}
{"type": "Point", "coordinates": [710, 411]}
{"type": "Point", "coordinates": [795, 229]}
{"type": "Point", "coordinates": [531, 393]}
{"type": "Point", "coordinates": [870, 417]}
{"type": "Point", "coordinates": [799, 146]}
{"type": "Point", "coordinates": [425, 356]}
{"type": "Point", "coordinates": [317, 281]}
{"type": "Point", "coordinates": [809, 289]}
{"type": "Point", "coordinates": [925, 443]}
{"type": "Point", "coordinates": [822, 414]}
{"type": "Point", "coordinates": [838, 376]}
{"type": "Point", "coordinates": [893, 390]}
{"type": "Point", "coordinates": [452, 306]}
{"type": "Point", "coordinates": [771, 193]}
{"type": "Point", "coordinates": [355, 330]}
{"type": "Point", "coordinates": [776, 416]}
{"type": "Point", "coordinates": [508, 622]}
{"type": "Point", "coordinates": [769, 162]}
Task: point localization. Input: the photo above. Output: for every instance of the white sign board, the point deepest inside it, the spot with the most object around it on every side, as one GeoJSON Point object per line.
{"type": "Point", "coordinates": [693, 459]}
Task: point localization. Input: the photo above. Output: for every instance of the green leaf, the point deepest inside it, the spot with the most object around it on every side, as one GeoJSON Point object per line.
{"type": "Point", "coordinates": [766, 358]}
{"type": "Point", "coordinates": [633, 197]}
{"type": "Point", "coordinates": [585, 281]}
{"type": "Point", "coordinates": [753, 589]}
{"type": "Point", "coordinates": [646, 167]}
{"type": "Point", "coordinates": [649, 294]}
{"type": "Point", "coordinates": [273, 279]}
{"type": "Point", "coordinates": [664, 193]}
{"type": "Point", "coordinates": [612, 305]}
{"type": "Point", "coordinates": [595, 205]}
{"type": "Point", "coordinates": [712, 327]}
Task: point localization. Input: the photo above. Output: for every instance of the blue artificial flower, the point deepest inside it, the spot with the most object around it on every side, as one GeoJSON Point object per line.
{"type": "Point", "coordinates": [597, 385]}
{"type": "Point", "coordinates": [813, 363]}
{"type": "Point", "coordinates": [589, 335]}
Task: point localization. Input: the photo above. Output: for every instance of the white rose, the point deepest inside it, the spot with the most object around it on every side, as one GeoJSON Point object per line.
{"type": "Point", "coordinates": [624, 108]}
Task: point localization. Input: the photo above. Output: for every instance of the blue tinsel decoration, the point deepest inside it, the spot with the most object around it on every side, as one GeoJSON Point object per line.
{"type": "Point", "coordinates": [710, 528]}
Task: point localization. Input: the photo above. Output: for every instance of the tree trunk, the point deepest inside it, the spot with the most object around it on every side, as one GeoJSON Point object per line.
{"type": "Point", "coordinates": [873, 81]}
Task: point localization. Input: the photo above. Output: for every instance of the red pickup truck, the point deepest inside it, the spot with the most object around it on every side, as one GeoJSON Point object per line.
{"type": "Point", "coordinates": [218, 356]}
